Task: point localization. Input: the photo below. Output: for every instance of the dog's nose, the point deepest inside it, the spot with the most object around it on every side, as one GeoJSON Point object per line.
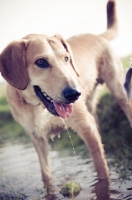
{"type": "Point", "coordinates": [71, 94]}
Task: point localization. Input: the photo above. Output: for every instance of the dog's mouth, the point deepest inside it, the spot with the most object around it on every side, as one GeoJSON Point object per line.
{"type": "Point", "coordinates": [55, 108]}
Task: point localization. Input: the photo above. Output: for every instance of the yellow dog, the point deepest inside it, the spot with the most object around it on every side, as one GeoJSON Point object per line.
{"type": "Point", "coordinates": [49, 73]}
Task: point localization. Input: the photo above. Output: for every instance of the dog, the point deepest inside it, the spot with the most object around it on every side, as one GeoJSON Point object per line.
{"type": "Point", "coordinates": [128, 84]}
{"type": "Point", "coordinates": [62, 77]}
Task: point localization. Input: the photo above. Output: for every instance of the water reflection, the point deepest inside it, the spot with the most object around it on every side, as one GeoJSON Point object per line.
{"type": "Point", "coordinates": [20, 176]}
{"type": "Point", "coordinates": [101, 189]}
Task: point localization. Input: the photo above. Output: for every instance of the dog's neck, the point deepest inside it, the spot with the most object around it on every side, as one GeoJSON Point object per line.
{"type": "Point", "coordinates": [19, 95]}
{"type": "Point", "coordinates": [17, 90]}
{"type": "Point", "coordinates": [26, 98]}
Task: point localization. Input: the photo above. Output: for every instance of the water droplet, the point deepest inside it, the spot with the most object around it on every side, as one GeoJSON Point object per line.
{"type": "Point", "coordinates": [70, 139]}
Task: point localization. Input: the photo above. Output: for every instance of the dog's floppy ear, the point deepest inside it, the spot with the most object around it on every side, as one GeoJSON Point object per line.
{"type": "Point", "coordinates": [68, 49]}
{"type": "Point", "coordinates": [13, 64]}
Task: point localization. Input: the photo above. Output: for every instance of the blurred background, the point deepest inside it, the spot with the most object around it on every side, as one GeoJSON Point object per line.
{"type": "Point", "coordinates": [19, 18]}
{"type": "Point", "coordinates": [66, 17]}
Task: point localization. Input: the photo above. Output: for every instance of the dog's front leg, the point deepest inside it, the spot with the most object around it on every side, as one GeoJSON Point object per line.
{"type": "Point", "coordinates": [84, 123]}
{"type": "Point", "coordinates": [42, 148]}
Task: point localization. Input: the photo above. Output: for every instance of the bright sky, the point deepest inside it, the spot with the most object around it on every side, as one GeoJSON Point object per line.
{"type": "Point", "coordinates": [66, 17]}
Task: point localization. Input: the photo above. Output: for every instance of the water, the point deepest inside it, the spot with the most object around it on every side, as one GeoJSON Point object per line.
{"type": "Point", "coordinates": [69, 135]}
{"type": "Point", "coordinates": [20, 176]}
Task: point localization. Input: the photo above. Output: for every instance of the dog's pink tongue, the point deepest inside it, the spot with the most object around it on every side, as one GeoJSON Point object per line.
{"type": "Point", "coordinates": [63, 111]}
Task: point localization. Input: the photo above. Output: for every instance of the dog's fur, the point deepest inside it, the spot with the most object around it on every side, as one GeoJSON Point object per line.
{"type": "Point", "coordinates": [95, 62]}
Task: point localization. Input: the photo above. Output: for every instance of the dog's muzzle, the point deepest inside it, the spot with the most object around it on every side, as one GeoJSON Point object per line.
{"type": "Point", "coordinates": [63, 110]}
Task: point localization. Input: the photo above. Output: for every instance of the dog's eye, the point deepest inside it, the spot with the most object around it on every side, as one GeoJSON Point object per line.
{"type": "Point", "coordinates": [66, 59]}
{"type": "Point", "coordinates": [42, 63]}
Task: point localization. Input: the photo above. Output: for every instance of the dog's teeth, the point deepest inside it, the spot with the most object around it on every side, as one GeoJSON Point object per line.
{"type": "Point", "coordinates": [47, 97]}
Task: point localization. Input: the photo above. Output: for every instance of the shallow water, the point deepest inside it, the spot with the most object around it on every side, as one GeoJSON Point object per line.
{"type": "Point", "coordinates": [20, 176]}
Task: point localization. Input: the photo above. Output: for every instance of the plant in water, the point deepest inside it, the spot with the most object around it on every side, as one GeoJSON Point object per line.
{"type": "Point", "coordinates": [70, 189]}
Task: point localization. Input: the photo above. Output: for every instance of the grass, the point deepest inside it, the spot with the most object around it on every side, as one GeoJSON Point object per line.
{"type": "Point", "coordinates": [116, 134]}
{"type": "Point", "coordinates": [126, 61]}
{"type": "Point", "coordinates": [114, 125]}
{"type": "Point", "coordinates": [4, 107]}
{"type": "Point", "coordinates": [9, 129]}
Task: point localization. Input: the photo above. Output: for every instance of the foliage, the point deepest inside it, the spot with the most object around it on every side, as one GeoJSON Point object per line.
{"type": "Point", "coordinates": [126, 61]}
{"type": "Point", "coordinates": [115, 128]}
{"type": "Point", "coordinates": [9, 129]}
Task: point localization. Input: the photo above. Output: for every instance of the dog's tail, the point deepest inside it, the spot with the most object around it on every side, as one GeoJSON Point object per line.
{"type": "Point", "coordinates": [112, 23]}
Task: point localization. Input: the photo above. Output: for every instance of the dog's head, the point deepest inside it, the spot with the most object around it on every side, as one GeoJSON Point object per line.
{"type": "Point", "coordinates": [42, 68]}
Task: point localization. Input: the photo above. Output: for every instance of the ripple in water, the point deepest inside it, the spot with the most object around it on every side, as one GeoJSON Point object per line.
{"type": "Point", "coordinates": [20, 176]}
